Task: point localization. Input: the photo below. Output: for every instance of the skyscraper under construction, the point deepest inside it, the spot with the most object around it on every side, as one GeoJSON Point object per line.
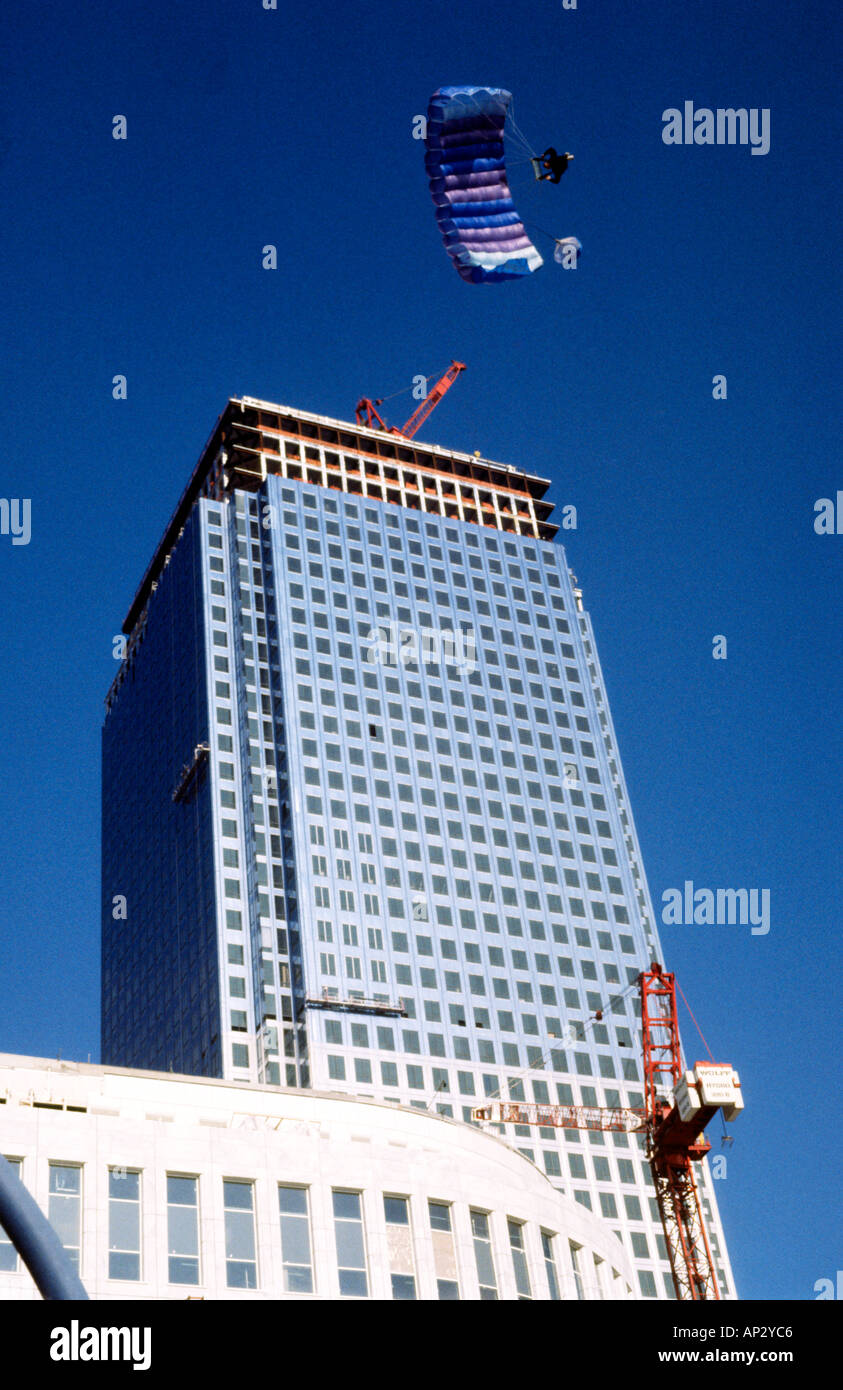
{"type": "Point", "coordinates": [365, 826]}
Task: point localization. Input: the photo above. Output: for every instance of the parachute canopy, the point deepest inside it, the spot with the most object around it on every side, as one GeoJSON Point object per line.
{"type": "Point", "coordinates": [483, 234]}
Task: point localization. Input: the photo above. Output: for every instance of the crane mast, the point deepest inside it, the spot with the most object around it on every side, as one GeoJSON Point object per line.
{"type": "Point", "coordinates": [674, 1145]}
{"type": "Point", "coordinates": [677, 1107]}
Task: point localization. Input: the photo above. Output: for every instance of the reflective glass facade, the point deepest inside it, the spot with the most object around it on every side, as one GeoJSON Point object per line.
{"type": "Point", "coordinates": [160, 977]}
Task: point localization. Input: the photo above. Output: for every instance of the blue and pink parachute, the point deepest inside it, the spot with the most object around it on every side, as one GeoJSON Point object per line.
{"type": "Point", "coordinates": [483, 233]}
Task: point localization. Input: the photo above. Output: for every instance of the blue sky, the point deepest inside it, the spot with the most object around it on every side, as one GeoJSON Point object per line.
{"type": "Point", "coordinates": [293, 127]}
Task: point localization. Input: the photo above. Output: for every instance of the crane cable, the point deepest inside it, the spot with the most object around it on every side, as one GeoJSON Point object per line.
{"type": "Point", "coordinates": [578, 1037]}
{"type": "Point", "coordinates": [696, 1025]}
{"type": "Point", "coordinates": [403, 389]}
{"type": "Point", "coordinates": [725, 1134]}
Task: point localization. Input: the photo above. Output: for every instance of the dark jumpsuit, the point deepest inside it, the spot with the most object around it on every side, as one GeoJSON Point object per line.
{"type": "Point", "coordinates": [554, 163]}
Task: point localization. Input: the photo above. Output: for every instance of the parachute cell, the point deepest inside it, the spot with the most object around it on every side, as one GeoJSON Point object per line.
{"type": "Point", "coordinates": [483, 233]}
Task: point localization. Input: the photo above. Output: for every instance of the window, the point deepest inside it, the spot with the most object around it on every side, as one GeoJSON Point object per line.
{"type": "Point", "coordinates": [65, 1208]}
{"type": "Point", "coordinates": [577, 1165]}
{"type": "Point", "coordinates": [552, 1164]}
{"type": "Point", "coordinates": [483, 1256]}
{"type": "Point", "coordinates": [351, 1248]}
{"type": "Point", "coordinates": [647, 1283]}
{"type": "Point", "coordinates": [640, 1248]}
{"type": "Point", "coordinates": [241, 1270]}
{"type": "Point", "coordinates": [8, 1253]}
{"type": "Point", "coordinates": [550, 1266]}
{"type": "Point", "coordinates": [183, 1230]}
{"type": "Point", "coordinates": [444, 1254]}
{"type": "Point", "coordinates": [400, 1243]}
{"type": "Point", "coordinates": [575, 1261]}
{"type": "Point", "coordinates": [633, 1207]}
{"type": "Point", "coordinates": [626, 1170]}
{"type": "Point", "coordinates": [519, 1259]}
{"type": "Point", "coordinates": [295, 1240]}
{"type": "Point", "coordinates": [123, 1224]}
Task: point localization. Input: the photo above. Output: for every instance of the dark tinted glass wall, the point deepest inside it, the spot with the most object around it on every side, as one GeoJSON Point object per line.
{"type": "Point", "coordinates": [160, 979]}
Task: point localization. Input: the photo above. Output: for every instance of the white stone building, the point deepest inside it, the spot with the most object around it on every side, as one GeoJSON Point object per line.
{"type": "Point", "coordinates": [172, 1187]}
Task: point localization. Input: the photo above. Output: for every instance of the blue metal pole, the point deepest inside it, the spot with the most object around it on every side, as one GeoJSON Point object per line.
{"type": "Point", "coordinates": [34, 1238]}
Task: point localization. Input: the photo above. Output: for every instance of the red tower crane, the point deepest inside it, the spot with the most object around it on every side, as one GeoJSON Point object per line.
{"type": "Point", "coordinates": [677, 1107]}
{"type": "Point", "coordinates": [367, 414]}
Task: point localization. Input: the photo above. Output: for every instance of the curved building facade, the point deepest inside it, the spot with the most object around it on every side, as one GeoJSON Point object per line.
{"type": "Point", "coordinates": [172, 1187]}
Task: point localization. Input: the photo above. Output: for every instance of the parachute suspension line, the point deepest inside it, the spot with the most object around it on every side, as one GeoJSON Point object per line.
{"type": "Point", "coordinates": [539, 229]}
{"type": "Point", "coordinates": [521, 144]}
{"type": "Point", "coordinates": [519, 138]}
{"type": "Point", "coordinates": [528, 148]}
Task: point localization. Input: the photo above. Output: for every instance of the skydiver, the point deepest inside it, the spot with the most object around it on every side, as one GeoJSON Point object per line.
{"type": "Point", "coordinates": [554, 164]}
